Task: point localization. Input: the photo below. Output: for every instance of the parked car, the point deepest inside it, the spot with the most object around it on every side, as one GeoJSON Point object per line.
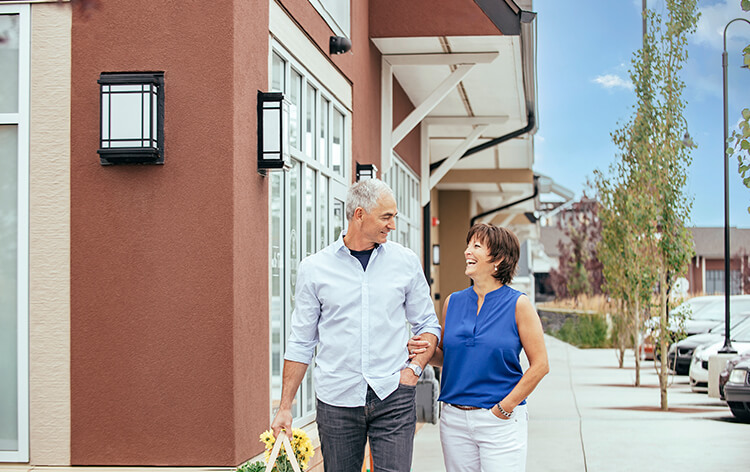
{"type": "Point", "coordinates": [701, 314]}
{"type": "Point", "coordinates": [737, 390]}
{"type": "Point", "coordinates": [724, 375]}
{"type": "Point", "coordinates": [699, 364]}
{"type": "Point", "coordinates": [681, 353]}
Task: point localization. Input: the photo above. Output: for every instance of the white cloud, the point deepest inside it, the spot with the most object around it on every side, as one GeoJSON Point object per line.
{"type": "Point", "coordinates": [713, 20]}
{"type": "Point", "coordinates": [609, 81]}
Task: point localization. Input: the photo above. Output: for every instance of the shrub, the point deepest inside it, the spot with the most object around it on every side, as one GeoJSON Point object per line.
{"type": "Point", "coordinates": [586, 331]}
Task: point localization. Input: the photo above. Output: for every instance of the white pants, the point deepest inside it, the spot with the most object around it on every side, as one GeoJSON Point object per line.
{"type": "Point", "coordinates": [477, 440]}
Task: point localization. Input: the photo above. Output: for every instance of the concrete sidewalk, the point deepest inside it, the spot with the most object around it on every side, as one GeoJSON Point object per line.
{"type": "Point", "coordinates": [586, 416]}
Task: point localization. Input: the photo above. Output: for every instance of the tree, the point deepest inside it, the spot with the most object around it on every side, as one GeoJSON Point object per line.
{"type": "Point", "coordinates": [579, 270]}
{"type": "Point", "coordinates": [645, 243]}
{"type": "Point", "coordinates": [624, 252]}
{"type": "Point", "coordinates": [672, 159]}
{"type": "Point", "coordinates": [739, 141]}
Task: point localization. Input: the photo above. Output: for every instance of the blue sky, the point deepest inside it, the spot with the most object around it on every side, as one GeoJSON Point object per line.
{"type": "Point", "coordinates": [583, 58]}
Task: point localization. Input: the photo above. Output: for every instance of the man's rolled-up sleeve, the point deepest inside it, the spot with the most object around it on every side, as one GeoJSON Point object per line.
{"type": "Point", "coordinates": [420, 311]}
{"type": "Point", "coordinates": [301, 344]}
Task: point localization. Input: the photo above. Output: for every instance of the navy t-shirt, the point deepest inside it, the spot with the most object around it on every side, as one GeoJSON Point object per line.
{"type": "Point", "coordinates": [362, 256]}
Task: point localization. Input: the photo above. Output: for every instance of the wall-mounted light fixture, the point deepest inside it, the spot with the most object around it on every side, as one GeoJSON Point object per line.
{"type": "Point", "coordinates": [339, 45]}
{"type": "Point", "coordinates": [131, 118]}
{"type": "Point", "coordinates": [436, 254]}
{"type": "Point", "coordinates": [366, 171]}
{"type": "Point", "coordinates": [273, 134]}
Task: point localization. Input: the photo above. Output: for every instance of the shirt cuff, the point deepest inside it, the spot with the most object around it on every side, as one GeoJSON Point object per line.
{"type": "Point", "coordinates": [299, 354]}
{"type": "Point", "coordinates": [435, 331]}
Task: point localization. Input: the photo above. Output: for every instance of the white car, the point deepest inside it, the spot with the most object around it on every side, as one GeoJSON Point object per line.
{"type": "Point", "coordinates": [700, 315]}
{"type": "Point", "coordinates": [699, 364]}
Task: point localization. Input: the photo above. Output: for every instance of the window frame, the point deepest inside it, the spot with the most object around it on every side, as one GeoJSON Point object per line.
{"type": "Point", "coordinates": [330, 19]}
{"type": "Point", "coordinates": [21, 120]}
{"type": "Point", "coordinates": [715, 277]}
{"type": "Point", "coordinates": [406, 190]}
{"type": "Point", "coordinates": [311, 171]}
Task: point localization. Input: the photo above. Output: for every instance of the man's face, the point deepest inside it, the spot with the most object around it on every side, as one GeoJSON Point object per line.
{"type": "Point", "coordinates": [380, 221]}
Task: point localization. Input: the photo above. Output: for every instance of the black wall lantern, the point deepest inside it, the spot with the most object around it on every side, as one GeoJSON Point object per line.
{"type": "Point", "coordinates": [366, 171]}
{"type": "Point", "coordinates": [273, 134]}
{"type": "Point", "coordinates": [131, 118]}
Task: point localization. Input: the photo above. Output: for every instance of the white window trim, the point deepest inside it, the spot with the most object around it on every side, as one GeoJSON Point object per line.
{"type": "Point", "coordinates": [335, 26]}
{"type": "Point", "coordinates": [294, 40]}
{"type": "Point", "coordinates": [337, 182]}
{"type": "Point", "coordinates": [21, 119]}
{"type": "Point", "coordinates": [414, 220]}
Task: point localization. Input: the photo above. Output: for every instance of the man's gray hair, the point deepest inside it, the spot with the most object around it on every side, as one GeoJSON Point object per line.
{"type": "Point", "coordinates": [365, 194]}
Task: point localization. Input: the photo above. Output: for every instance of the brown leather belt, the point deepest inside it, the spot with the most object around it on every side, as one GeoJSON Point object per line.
{"type": "Point", "coordinates": [462, 407]}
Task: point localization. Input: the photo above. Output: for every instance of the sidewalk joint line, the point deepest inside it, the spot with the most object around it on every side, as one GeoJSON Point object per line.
{"type": "Point", "coordinates": [578, 411]}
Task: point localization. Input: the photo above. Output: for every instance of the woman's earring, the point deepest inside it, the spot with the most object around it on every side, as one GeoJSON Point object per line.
{"type": "Point", "coordinates": [495, 268]}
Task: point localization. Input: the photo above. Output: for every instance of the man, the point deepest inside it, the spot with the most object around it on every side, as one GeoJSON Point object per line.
{"type": "Point", "coordinates": [353, 299]}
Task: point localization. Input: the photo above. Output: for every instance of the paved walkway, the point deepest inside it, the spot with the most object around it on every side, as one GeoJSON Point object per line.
{"type": "Point", "coordinates": [586, 416]}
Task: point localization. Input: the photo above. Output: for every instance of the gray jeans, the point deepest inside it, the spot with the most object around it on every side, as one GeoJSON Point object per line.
{"type": "Point", "coordinates": [388, 423]}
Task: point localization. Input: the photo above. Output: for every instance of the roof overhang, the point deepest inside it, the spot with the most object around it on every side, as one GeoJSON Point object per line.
{"type": "Point", "coordinates": [468, 90]}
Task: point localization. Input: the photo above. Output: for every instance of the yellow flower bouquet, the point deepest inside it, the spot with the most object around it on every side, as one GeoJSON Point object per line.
{"type": "Point", "coordinates": [301, 445]}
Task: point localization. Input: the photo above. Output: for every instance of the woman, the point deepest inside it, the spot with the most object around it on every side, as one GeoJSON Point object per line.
{"type": "Point", "coordinates": [484, 423]}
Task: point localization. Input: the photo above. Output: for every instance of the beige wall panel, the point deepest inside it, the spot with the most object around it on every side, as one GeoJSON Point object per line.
{"type": "Point", "coordinates": [454, 224]}
{"type": "Point", "coordinates": [49, 246]}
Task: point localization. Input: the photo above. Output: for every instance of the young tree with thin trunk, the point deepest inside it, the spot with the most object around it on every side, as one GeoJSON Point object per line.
{"type": "Point", "coordinates": [670, 160]}
{"type": "Point", "coordinates": [646, 205]}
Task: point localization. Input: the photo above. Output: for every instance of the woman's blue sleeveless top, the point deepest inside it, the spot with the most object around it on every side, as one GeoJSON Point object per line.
{"type": "Point", "coordinates": [481, 363]}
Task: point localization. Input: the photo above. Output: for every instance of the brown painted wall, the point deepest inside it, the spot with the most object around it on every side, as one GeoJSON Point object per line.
{"type": "Point", "coordinates": [408, 148]}
{"type": "Point", "coordinates": [168, 317]}
{"type": "Point", "coordinates": [414, 18]}
{"type": "Point", "coordinates": [695, 277]}
{"type": "Point", "coordinates": [718, 264]}
{"type": "Point", "coordinates": [250, 245]}
{"type": "Point", "coordinates": [454, 225]}
{"type": "Point", "coordinates": [320, 33]}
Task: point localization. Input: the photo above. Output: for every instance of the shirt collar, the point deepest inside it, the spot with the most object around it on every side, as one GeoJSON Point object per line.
{"type": "Point", "coordinates": [339, 244]}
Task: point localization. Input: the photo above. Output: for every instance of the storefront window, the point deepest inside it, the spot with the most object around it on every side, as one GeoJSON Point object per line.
{"type": "Point", "coordinates": [306, 211]}
{"type": "Point", "coordinates": [14, 182]}
{"type": "Point", "coordinates": [405, 186]}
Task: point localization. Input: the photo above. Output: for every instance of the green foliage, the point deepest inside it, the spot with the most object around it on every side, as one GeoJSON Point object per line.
{"type": "Point", "coordinates": [586, 331]}
{"type": "Point", "coordinates": [645, 243]}
{"type": "Point", "coordinates": [282, 465]}
{"type": "Point", "coordinates": [739, 141]}
{"type": "Point", "coordinates": [578, 282]}
{"type": "Point", "coordinates": [254, 467]}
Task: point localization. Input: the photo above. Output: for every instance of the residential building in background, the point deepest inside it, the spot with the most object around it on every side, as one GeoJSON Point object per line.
{"type": "Point", "coordinates": [705, 274]}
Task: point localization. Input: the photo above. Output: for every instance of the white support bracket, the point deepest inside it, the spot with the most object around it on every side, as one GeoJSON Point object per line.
{"type": "Point", "coordinates": [424, 159]}
{"type": "Point", "coordinates": [386, 115]}
{"type": "Point", "coordinates": [456, 155]}
{"type": "Point", "coordinates": [424, 108]}
{"type": "Point", "coordinates": [390, 137]}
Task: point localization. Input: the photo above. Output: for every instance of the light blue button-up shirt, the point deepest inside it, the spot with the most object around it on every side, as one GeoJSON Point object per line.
{"type": "Point", "coordinates": [357, 319]}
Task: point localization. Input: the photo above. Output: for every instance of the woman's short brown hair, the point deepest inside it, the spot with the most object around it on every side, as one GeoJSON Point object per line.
{"type": "Point", "coordinates": [503, 247]}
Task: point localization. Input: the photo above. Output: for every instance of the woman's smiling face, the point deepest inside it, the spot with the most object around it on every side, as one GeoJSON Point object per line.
{"type": "Point", "coordinates": [478, 260]}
